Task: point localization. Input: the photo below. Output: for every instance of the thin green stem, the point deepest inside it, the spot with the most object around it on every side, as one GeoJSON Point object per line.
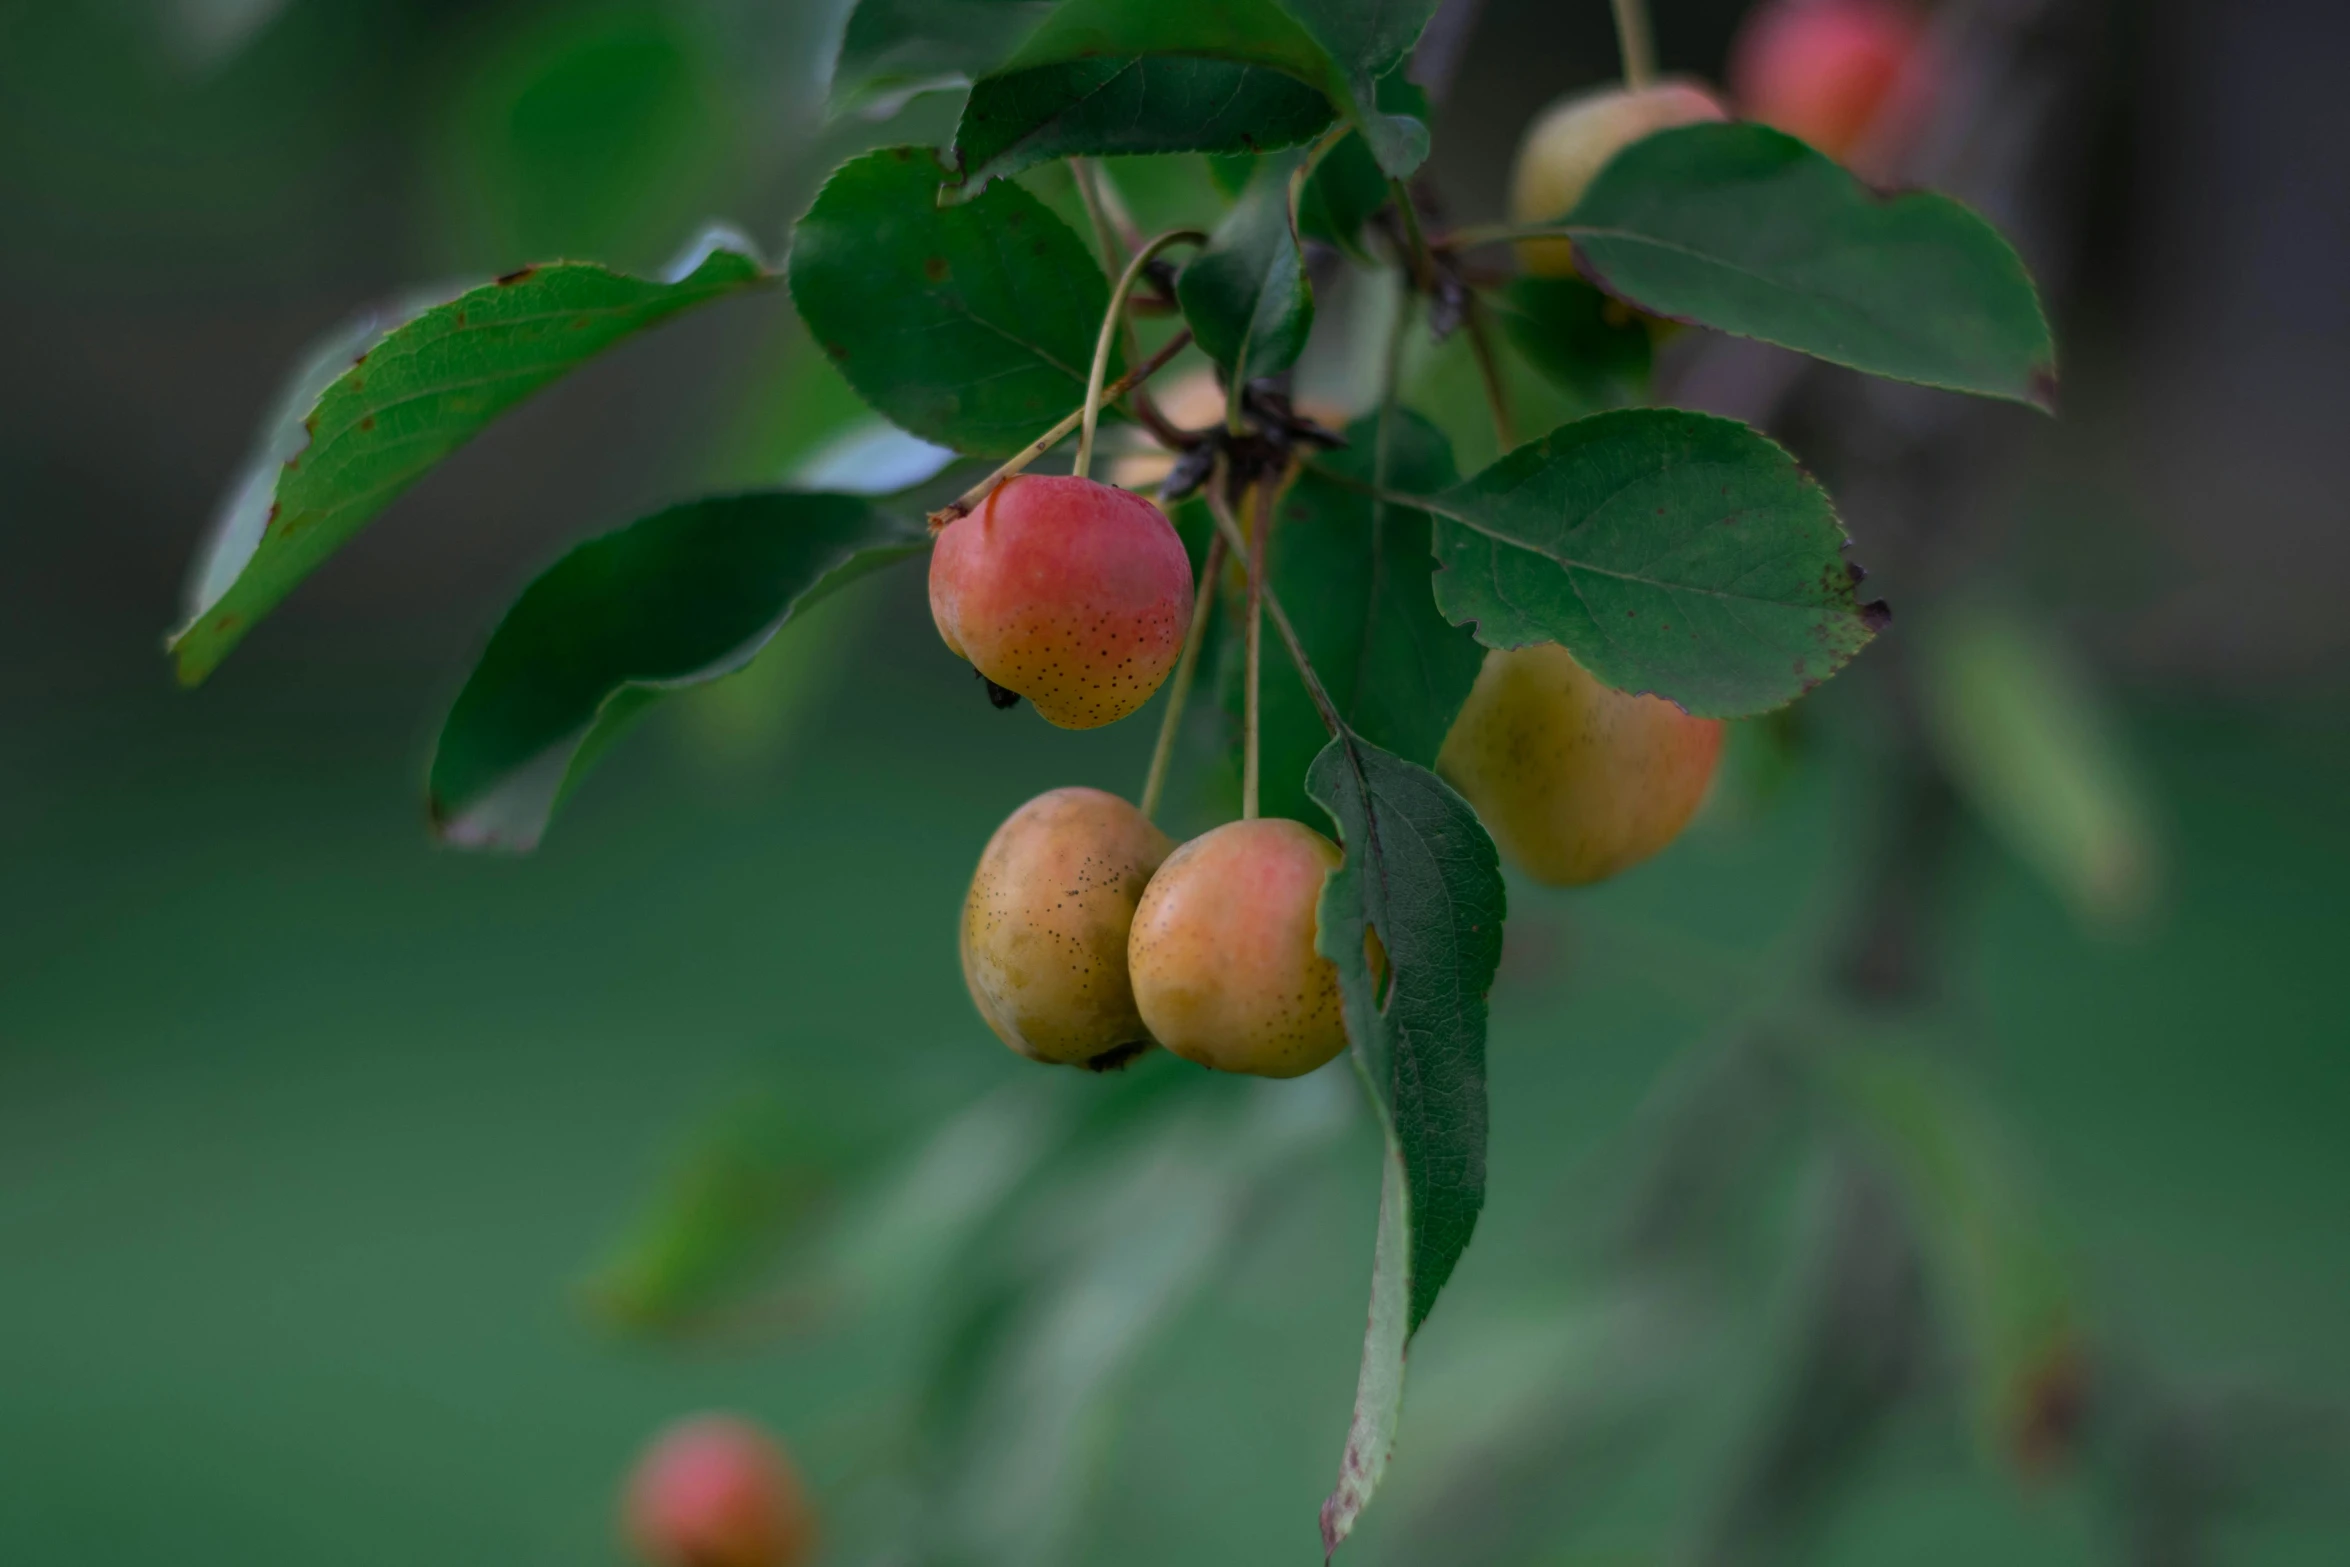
{"type": "Point", "coordinates": [1252, 749]}
{"type": "Point", "coordinates": [1497, 400]}
{"type": "Point", "coordinates": [1179, 688]}
{"type": "Point", "coordinates": [1092, 412]}
{"type": "Point", "coordinates": [1635, 42]}
{"type": "Point", "coordinates": [1322, 147]}
{"type": "Point", "coordinates": [1089, 191]}
{"type": "Point", "coordinates": [967, 502]}
{"type": "Point", "coordinates": [1228, 527]}
{"type": "Point", "coordinates": [1423, 265]}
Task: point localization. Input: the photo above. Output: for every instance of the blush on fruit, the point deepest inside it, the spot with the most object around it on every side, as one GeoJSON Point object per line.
{"type": "Point", "coordinates": [717, 1491]}
{"type": "Point", "coordinates": [1073, 594]}
{"type": "Point", "coordinates": [1840, 74]}
{"type": "Point", "coordinates": [1575, 780]}
{"type": "Point", "coordinates": [1222, 954]}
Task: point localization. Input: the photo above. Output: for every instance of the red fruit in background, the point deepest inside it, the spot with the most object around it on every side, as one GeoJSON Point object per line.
{"type": "Point", "coordinates": [1841, 74]}
{"type": "Point", "coordinates": [1074, 594]}
{"type": "Point", "coordinates": [717, 1491]}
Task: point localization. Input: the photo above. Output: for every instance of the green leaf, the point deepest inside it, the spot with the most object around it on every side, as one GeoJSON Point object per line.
{"type": "Point", "coordinates": [1246, 296]}
{"type": "Point", "coordinates": [1348, 188]}
{"type": "Point", "coordinates": [677, 599]}
{"type": "Point", "coordinates": [1337, 47]}
{"type": "Point", "coordinates": [972, 326]}
{"type": "Point", "coordinates": [1746, 230]}
{"type": "Point", "coordinates": [2021, 730]}
{"type": "Point", "coordinates": [405, 400]}
{"type": "Point", "coordinates": [1354, 575]}
{"type": "Point", "coordinates": [1369, 42]}
{"type": "Point", "coordinates": [1420, 874]}
{"type": "Point", "coordinates": [1586, 344]}
{"type": "Point", "coordinates": [897, 47]}
{"type": "Point", "coordinates": [1670, 552]}
{"type": "Point", "coordinates": [1156, 103]}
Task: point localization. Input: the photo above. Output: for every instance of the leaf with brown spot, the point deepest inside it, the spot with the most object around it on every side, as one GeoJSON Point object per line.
{"type": "Point", "coordinates": [1670, 552]}
{"type": "Point", "coordinates": [342, 447]}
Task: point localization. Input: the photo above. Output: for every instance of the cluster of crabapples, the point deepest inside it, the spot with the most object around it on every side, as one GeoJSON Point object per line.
{"type": "Point", "coordinates": [1088, 935]}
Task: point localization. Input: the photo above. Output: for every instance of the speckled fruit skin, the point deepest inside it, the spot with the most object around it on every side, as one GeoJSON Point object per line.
{"type": "Point", "coordinates": [1223, 956]}
{"type": "Point", "coordinates": [1573, 139]}
{"type": "Point", "coordinates": [1044, 928]}
{"type": "Point", "coordinates": [1823, 70]}
{"type": "Point", "coordinates": [1576, 781]}
{"type": "Point", "coordinates": [1074, 594]}
{"type": "Point", "coordinates": [716, 1491]}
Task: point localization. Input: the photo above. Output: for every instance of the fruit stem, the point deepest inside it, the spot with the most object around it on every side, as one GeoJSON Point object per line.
{"type": "Point", "coordinates": [1635, 42]}
{"type": "Point", "coordinates": [1497, 400]}
{"type": "Point", "coordinates": [1113, 231]}
{"type": "Point", "coordinates": [1422, 264]}
{"type": "Point", "coordinates": [1228, 528]}
{"type": "Point", "coordinates": [1113, 224]}
{"type": "Point", "coordinates": [968, 502]}
{"type": "Point", "coordinates": [1179, 688]}
{"type": "Point", "coordinates": [1109, 334]}
{"type": "Point", "coordinates": [1253, 520]}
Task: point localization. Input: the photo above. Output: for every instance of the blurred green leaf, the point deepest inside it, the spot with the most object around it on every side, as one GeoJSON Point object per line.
{"type": "Point", "coordinates": [1129, 1231]}
{"type": "Point", "coordinates": [584, 132]}
{"type": "Point", "coordinates": [1355, 577]}
{"type": "Point", "coordinates": [1989, 1252]}
{"type": "Point", "coordinates": [1246, 295]}
{"type": "Point", "coordinates": [1152, 104]}
{"type": "Point", "coordinates": [1589, 345]}
{"type": "Point", "coordinates": [723, 1211]}
{"type": "Point", "coordinates": [680, 598]}
{"type": "Point", "coordinates": [972, 326]}
{"type": "Point", "coordinates": [2023, 733]}
{"type": "Point", "coordinates": [1744, 229]}
{"type": "Point", "coordinates": [893, 47]}
{"type": "Point", "coordinates": [1670, 552]}
{"type": "Point", "coordinates": [405, 401]}
{"type": "Point", "coordinates": [1421, 888]}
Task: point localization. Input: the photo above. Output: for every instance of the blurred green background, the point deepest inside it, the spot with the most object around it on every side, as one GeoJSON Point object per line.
{"type": "Point", "coordinates": [311, 1136]}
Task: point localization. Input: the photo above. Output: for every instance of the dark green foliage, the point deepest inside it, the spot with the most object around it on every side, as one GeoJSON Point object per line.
{"type": "Point", "coordinates": [680, 598]}
{"type": "Point", "coordinates": [1670, 552]}
{"type": "Point", "coordinates": [971, 325]}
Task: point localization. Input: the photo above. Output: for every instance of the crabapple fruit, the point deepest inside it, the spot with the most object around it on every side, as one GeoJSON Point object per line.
{"type": "Point", "coordinates": [1575, 780]}
{"type": "Point", "coordinates": [717, 1491]}
{"type": "Point", "coordinates": [1045, 926]}
{"type": "Point", "coordinates": [1832, 72]}
{"type": "Point", "coordinates": [1222, 954]}
{"type": "Point", "coordinates": [1075, 595]}
{"type": "Point", "coordinates": [1572, 140]}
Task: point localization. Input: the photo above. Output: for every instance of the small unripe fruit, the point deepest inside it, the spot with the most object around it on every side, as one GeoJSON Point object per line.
{"type": "Point", "coordinates": [1222, 954]}
{"type": "Point", "coordinates": [1045, 926]}
{"type": "Point", "coordinates": [1573, 140]}
{"type": "Point", "coordinates": [1074, 594]}
{"type": "Point", "coordinates": [1575, 780]}
{"type": "Point", "coordinates": [716, 1491]}
{"type": "Point", "coordinates": [1831, 72]}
